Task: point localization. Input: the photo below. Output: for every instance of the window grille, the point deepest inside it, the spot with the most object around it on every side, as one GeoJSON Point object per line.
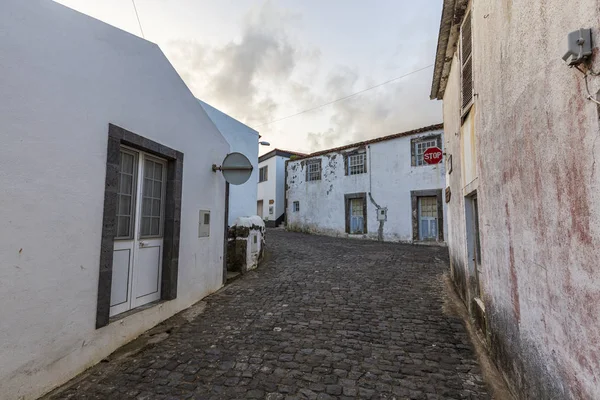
{"type": "Point", "coordinates": [313, 170]}
{"type": "Point", "coordinates": [152, 197]}
{"type": "Point", "coordinates": [357, 164]}
{"type": "Point", "coordinates": [126, 195]}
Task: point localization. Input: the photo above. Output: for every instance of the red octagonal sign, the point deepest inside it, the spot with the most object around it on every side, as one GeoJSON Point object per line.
{"type": "Point", "coordinates": [432, 155]}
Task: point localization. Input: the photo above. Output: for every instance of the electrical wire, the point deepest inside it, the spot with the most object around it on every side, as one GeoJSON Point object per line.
{"type": "Point", "coordinates": [346, 97]}
{"type": "Point", "coordinates": [587, 86]}
{"type": "Point", "coordinates": [138, 18]}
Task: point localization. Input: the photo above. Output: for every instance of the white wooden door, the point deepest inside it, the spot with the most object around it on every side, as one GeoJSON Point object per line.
{"type": "Point", "coordinates": [259, 208]}
{"type": "Point", "coordinates": [138, 247]}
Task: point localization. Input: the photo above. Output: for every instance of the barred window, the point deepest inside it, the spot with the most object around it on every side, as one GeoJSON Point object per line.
{"type": "Point", "coordinates": [296, 206]}
{"type": "Point", "coordinates": [357, 164]}
{"type": "Point", "coordinates": [420, 148]}
{"type": "Point", "coordinates": [313, 170]}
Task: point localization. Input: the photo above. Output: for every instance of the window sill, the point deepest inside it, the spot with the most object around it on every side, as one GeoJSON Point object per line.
{"type": "Point", "coordinates": [465, 111]}
{"type": "Point", "coordinates": [429, 243]}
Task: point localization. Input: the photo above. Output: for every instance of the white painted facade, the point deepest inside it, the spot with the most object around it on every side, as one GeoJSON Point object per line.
{"type": "Point", "coordinates": [390, 178]}
{"type": "Point", "coordinates": [242, 139]}
{"type": "Point", "coordinates": [273, 189]}
{"type": "Point", "coordinates": [66, 76]}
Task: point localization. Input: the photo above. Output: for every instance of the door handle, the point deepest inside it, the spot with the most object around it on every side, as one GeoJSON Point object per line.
{"type": "Point", "coordinates": [143, 244]}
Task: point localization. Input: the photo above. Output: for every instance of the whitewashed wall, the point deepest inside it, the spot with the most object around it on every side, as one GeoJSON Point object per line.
{"type": "Point", "coordinates": [242, 139]}
{"type": "Point", "coordinates": [64, 77]}
{"type": "Point", "coordinates": [273, 188]}
{"type": "Point", "coordinates": [322, 205]}
{"type": "Point", "coordinates": [280, 187]}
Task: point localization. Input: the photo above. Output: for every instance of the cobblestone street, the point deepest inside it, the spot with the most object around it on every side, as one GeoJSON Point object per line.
{"type": "Point", "coordinates": [322, 318]}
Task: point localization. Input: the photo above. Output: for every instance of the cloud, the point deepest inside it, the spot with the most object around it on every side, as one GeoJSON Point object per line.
{"type": "Point", "coordinates": [243, 76]}
{"type": "Point", "coordinates": [393, 108]}
{"type": "Point", "coordinates": [266, 74]}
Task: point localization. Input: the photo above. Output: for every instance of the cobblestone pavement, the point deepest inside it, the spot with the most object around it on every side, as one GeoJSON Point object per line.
{"type": "Point", "coordinates": [323, 318]}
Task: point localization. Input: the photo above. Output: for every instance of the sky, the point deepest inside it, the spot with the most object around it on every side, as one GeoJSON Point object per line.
{"type": "Point", "coordinates": [261, 61]}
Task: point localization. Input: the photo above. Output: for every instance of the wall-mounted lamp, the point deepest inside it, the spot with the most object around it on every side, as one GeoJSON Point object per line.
{"type": "Point", "coordinates": [264, 143]}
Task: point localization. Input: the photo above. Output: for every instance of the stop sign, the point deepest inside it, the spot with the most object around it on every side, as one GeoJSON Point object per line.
{"type": "Point", "coordinates": [432, 155]}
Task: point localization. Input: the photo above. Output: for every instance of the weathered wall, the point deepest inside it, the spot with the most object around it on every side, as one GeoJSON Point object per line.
{"type": "Point", "coordinates": [539, 195]}
{"type": "Point", "coordinates": [242, 139]}
{"type": "Point", "coordinates": [68, 77]}
{"type": "Point", "coordinates": [456, 237]}
{"type": "Point", "coordinates": [322, 205]}
{"type": "Point", "coordinates": [245, 247]}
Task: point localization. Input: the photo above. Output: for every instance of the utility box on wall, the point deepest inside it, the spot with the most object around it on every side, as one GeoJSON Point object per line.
{"type": "Point", "coordinates": [204, 224]}
{"type": "Point", "coordinates": [382, 214]}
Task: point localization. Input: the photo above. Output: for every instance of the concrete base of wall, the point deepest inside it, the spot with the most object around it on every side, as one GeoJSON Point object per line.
{"type": "Point", "coordinates": [245, 247]}
{"type": "Point", "coordinates": [275, 223]}
{"type": "Point", "coordinates": [311, 229]}
{"type": "Point", "coordinates": [495, 379]}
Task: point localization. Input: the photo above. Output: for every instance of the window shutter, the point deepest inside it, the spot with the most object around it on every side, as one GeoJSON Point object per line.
{"type": "Point", "coordinates": [466, 41]}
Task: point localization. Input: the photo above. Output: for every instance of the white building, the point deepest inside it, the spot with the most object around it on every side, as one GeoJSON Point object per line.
{"type": "Point", "coordinates": [106, 174]}
{"type": "Point", "coordinates": [271, 186]}
{"type": "Point", "coordinates": [242, 139]}
{"type": "Point", "coordinates": [380, 189]}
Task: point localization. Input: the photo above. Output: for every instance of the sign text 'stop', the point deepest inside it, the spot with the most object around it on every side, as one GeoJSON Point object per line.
{"type": "Point", "coordinates": [432, 155]}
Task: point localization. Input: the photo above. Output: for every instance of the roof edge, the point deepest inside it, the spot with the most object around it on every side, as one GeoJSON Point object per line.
{"type": "Point", "coordinates": [430, 128]}
{"type": "Point", "coordinates": [279, 152]}
{"type": "Point", "coordinates": [452, 13]}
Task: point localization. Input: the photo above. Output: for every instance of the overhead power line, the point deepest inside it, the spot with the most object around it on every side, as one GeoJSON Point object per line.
{"type": "Point", "coordinates": [347, 97]}
{"type": "Point", "coordinates": [138, 19]}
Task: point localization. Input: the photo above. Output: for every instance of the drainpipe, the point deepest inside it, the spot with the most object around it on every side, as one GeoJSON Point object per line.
{"type": "Point", "coordinates": [381, 222]}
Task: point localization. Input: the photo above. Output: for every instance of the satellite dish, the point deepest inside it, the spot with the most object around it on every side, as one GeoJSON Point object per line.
{"type": "Point", "coordinates": [236, 168]}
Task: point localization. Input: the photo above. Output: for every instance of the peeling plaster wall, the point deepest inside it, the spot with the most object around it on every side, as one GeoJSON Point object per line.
{"type": "Point", "coordinates": [539, 195]}
{"type": "Point", "coordinates": [322, 207]}
{"type": "Point", "coordinates": [69, 76]}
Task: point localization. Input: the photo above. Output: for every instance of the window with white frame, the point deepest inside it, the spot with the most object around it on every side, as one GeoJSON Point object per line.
{"type": "Point", "coordinates": [357, 163]}
{"type": "Point", "coordinates": [420, 147]}
{"type": "Point", "coordinates": [296, 206]}
{"type": "Point", "coordinates": [126, 194]}
{"type": "Point", "coordinates": [153, 193]}
{"type": "Point", "coordinates": [263, 174]}
{"type": "Point", "coordinates": [313, 170]}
